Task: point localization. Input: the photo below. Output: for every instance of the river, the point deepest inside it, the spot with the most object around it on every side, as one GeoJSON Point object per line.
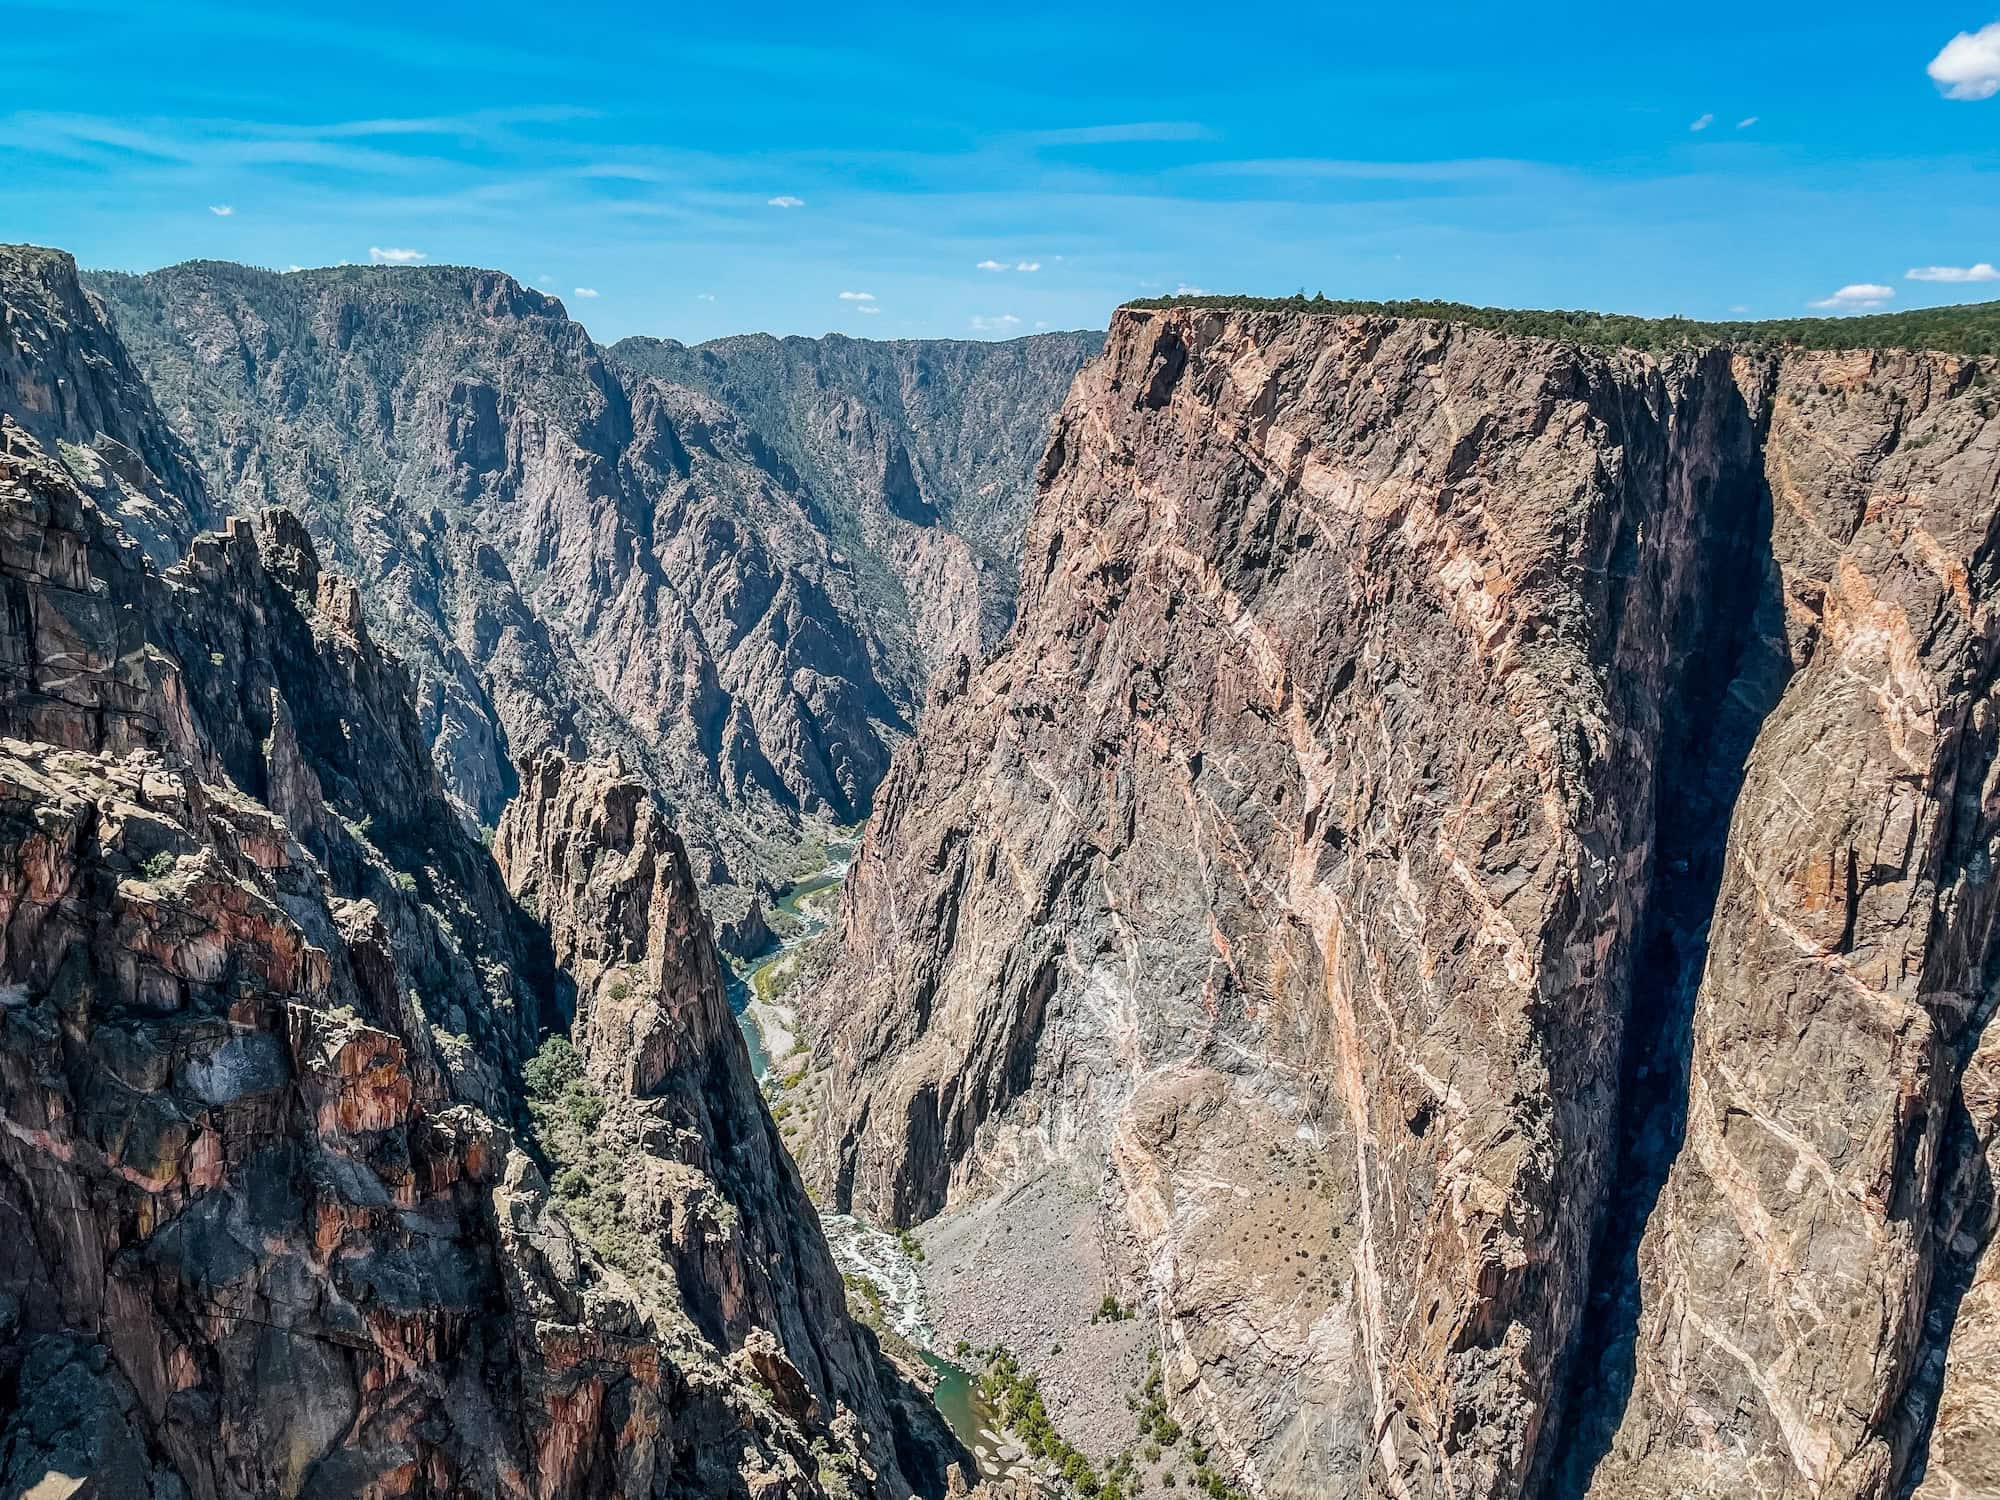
{"type": "Point", "coordinates": [861, 1249]}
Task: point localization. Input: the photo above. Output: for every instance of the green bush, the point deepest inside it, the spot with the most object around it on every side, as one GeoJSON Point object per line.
{"type": "Point", "coordinates": [553, 1068]}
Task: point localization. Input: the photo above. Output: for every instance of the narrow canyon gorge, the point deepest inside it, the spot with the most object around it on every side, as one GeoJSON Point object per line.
{"type": "Point", "coordinates": [1415, 904]}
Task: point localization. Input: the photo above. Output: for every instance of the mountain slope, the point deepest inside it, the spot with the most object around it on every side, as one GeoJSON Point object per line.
{"type": "Point", "coordinates": [67, 380]}
{"type": "Point", "coordinates": [1348, 875]}
{"type": "Point", "coordinates": [921, 454]}
{"type": "Point", "coordinates": [277, 1040]}
{"type": "Point", "coordinates": [570, 560]}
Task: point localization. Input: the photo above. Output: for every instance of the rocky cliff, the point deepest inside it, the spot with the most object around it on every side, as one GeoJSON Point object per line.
{"type": "Point", "coordinates": [1478, 851]}
{"type": "Point", "coordinates": [277, 1119]}
{"type": "Point", "coordinates": [578, 556]}
{"type": "Point", "coordinates": [921, 452]}
{"type": "Point", "coordinates": [66, 379]}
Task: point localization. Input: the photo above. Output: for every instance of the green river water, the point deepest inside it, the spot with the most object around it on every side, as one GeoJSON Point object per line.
{"type": "Point", "coordinates": [859, 1248]}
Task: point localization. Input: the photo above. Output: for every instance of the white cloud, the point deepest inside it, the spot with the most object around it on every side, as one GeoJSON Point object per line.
{"type": "Point", "coordinates": [221, 210]}
{"type": "Point", "coordinates": [704, 296]}
{"type": "Point", "coordinates": [1028, 265]}
{"type": "Point", "coordinates": [586, 291]}
{"type": "Point", "coordinates": [999, 323]}
{"type": "Point", "coordinates": [1984, 271]}
{"type": "Point", "coordinates": [1746, 122]}
{"type": "Point", "coordinates": [1857, 295]}
{"type": "Point", "coordinates": [1703, 123]}
{"type": "Point", "coordinates": [392, 256]}
{"type": "Point", "coordinates": [871, 311]}
{"type": "Point", "coordinates": [1184, 290]}
{"type": "Point", "coordinates": [857, 296]}
{"type": "Point", "coordinates": [990, 265]}
{"type": "Point", "coordinates": [290, 269]}
{"type": "Point", "coordinates": [786, 200]}
{"type": "Point", "coordinates": [1969, 65]}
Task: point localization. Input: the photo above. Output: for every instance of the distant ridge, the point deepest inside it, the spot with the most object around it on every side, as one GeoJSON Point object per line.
{"type": "Point", "coordinates": [1965, 328]}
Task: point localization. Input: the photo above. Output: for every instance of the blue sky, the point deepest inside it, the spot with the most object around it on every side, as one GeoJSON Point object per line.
{"type": "Point", "coordinates": [702, 173]}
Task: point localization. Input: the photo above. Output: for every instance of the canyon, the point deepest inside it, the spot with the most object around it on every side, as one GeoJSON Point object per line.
{"type": "Point", "coordinates": [580, 551]}
{"type": "Point", "coordinates": [1416, 903]}
{"type": "Point", "coordinates": [348, 1156]}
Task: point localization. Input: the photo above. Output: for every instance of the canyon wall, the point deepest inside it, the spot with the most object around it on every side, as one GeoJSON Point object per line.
{"type": "Point", "coordinates": [576, 555]}
{"type": "Point", "coordinates": [297, 1210]}
{"type": "Point", "coordinates": [922, 453]}
{"type": "Point", "coordinates": [1476, 849]}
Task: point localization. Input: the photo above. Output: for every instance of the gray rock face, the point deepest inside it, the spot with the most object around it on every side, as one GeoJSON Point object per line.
{"type": "Point", "coordinates": [921, 454]}
{"type": "Point", "coordinates": [1350, 860]}
{"type": "Point", "coordinates": [574, 555]}
{"type": "Point", "coordinates": [569, 560]}
{"type": "Point", "coordinates": [66, 379]}
{"type": "Point", "coordinates": [267, 1012]}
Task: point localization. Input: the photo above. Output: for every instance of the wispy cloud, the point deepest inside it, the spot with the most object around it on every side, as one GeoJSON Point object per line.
{"type": "Point", "coordinates": [991, 265]}
{"type": "Point", "coordinates": [1746, 122]}
{"type": "Point", "coordinates": [394, 256]}
{"type": "Point", "coordinates": [786, 200]}
{"type": "Point", "coordinates": [1969, 65]}
{"type": "Point", "coordinates": [586, 291]}
{"type": "Point", "coordinates": [1028, 265]}
{"type": "Point", "coordinates": [221, 210]}
{"type": "Point", "coordinates": [1983, 271]}
{"type": "Point", "coordinates": [857, 296]}
{"type": "Point", "coordinates": [864, 308]}
{"type": "Point", "coordinates": [1184, 290]}
{"type": "Point", "coordinates": [994, 323]}
{"type": "Point", "coordinates": [1703, 122]}
{"type": "Point", "coordinates": [1857, 295]}
{"type": "Point", "coordinates": [1118, 135]}
{"type": "Point", "coordinates": [704, 296]}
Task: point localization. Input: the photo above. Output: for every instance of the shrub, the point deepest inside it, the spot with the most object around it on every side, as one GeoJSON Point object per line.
{"type": "Point", "coordinates": [553, 1068]}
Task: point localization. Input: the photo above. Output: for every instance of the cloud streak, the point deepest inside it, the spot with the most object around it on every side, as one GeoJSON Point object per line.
{"type": "Point", "coordinates": [1983, 271]}
{"type": "Point", "coordinates": [393, 255]}
{"type": "Point", "coordinates": [586, 291]}
{"type": "Point", "coordinates": [786, 200]}
{"type": "Point", "coordinates": [221, 210]}
{"type": "Point", "coordinates": [857, 296]}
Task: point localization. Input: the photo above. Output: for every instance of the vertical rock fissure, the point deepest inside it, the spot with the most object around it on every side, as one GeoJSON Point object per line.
{"type": "Point", "coordinates": [1733, 667]}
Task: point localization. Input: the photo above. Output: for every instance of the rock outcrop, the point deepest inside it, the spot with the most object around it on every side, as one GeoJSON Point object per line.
{"type": "Point", "coordinates": [268, 1016]}
{"type": "Point", "coordinates": [66, 379]}
{"type": "Point", "coordinates": [1349, 865]}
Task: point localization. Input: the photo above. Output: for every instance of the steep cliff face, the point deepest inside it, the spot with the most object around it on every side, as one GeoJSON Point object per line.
{"type": "Point", "coordinates": [269, 1015]}
{"type": "Point", "coordinates": [570, 559]}
{"type": "Point", "coordinates": [921, 454]}
{"type": "Point", "coordinates": [1326, 868]}
{"type": "Point", "coordinates": [66, 379]}
{"type": "Point", "coordinates": [580, 556]}
{"type": "Point", "coordinates": [680, 1161]}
